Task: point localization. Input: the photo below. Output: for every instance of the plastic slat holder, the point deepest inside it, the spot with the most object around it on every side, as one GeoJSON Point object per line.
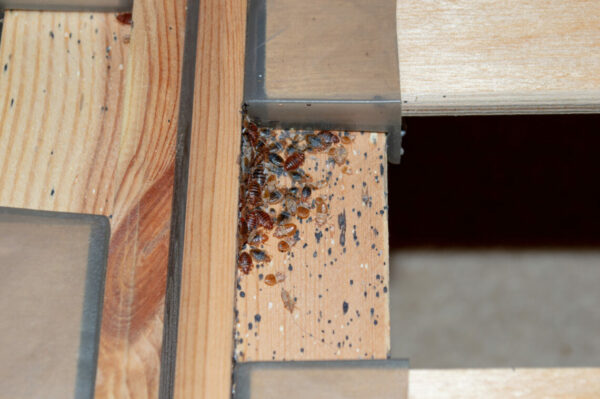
{"type": "Point", "coordinates": [350, 379]}
{"type": "Point", "coordinates": [324, 64]}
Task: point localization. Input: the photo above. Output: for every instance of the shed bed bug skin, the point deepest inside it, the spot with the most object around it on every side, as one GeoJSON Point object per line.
{"type": "Point", "coordinates": [285, 230]}
{"type": "Point", "coordinates": [260, 256]}
{"type": "Point", "coordinates": [287, 300]}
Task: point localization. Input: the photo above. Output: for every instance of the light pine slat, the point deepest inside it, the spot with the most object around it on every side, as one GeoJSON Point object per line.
{"type": "Point", "coordinates": [552, 383]}
{"type": "Point", "coordinates": [88, 111]}
{"type": "Point", "coordinates": [499, 57]}
{"type": "Point", "coordinates": [205, 333]}
{"type": "Point", "coordinates": [338, 272]}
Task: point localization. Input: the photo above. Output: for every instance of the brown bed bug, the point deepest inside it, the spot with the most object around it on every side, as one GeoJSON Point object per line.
{"type": "Point", "coordinates": [259, 176]}
{"type": "Point", "coordinates": [302, 212]}
{"type": "Point", "coordinates": [283, 246]}
{"type": "Point", "coordinates": [294, 161]}
{"type": "Point", "coordinates": [285, 230]}
{"type": "Point", "coordinates": [258, 217]}
{"type": "Point", "coordinates": [306, 193]}
{"type": "Point", "coordinates": [270, 279]}
{"type": "Point", "coordinates": [264, 220]}
{"type": "Point", "coordinates": [253, 194]}
{"type": "Point", "coordinates": [125, 18]}
{"type": "Point", "coordinates": [275, 159]}
{"type": "Point", "coordinates": [287, 300]}
{"type": "Point", "coordinates": [252, 221]}
{"type": "Point", "coordinates": [283, 218]}
{"type": "Point", "coordinates": [275, 197]}
{"type": "Point", "coordinates": [245, 262]}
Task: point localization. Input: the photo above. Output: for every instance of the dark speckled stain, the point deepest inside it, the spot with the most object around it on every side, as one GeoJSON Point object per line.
{"type": "Point", "coordinates": [52, 34]}
{"type": "Point", "coordinates": [345, 307]}
{"type": "Point", "coordinates": [318, 236]}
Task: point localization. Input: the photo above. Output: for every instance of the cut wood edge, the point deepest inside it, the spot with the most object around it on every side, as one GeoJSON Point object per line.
{"type": "Point", "coordinates": [534, 383]}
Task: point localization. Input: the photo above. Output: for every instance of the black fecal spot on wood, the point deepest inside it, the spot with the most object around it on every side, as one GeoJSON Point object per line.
{"type": "Point", "coordinates": [372, 312]}
{"type": "Point", "coordinates": [257, 318]}
{"type": "Point", "coordinates": [290, 267]}
{"type": "Point", "coordinates": [342, 225]}
{"type": "Point", "coordinates": [351, 282]}
{"type": "Point", "coordinates": [329, 251]}
{"type": "Point", "coordinates": [385, 290]}
{"type": "Point", "coordinates": [375, 322]}
{"type": "Point", "coordinates": [359, 214]}
{"type": "Point", "coordinates": [318, 236]}
{"type": "Point", "coordinates": [52, 192]}
{"type": "Point", "coordinates": [345, 307]}
{"type": "Point", "coordinates": [242, 294]}
{"type": "Point", "coordinates": [381, 169]}
{"type": "Point", "coordinates": [250, 326]}
{"type": "Point", "coordinates": [5, 67]}
{"type": "Point", "coordinates": [364, 184]}
{"type": "Point", "coordinates": [315, 254]}
{"type": "Point", "coordinates": [12, 102]}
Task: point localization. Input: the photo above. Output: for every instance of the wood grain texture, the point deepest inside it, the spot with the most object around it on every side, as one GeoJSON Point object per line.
{"type": "Point", "coordinates": [572, 383]}
{"type": "Point", "coordinates": [205, 335]}
{"type": "Point", "coordinates": [88, 111]}
{"type": "Point", "coordinates": [499, 57]}
{"type": "Point", "coordinates": [338, 272]}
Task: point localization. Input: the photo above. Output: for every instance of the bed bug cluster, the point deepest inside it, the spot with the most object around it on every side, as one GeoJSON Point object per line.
{"type": "Point", "coordinates": [276, 193]}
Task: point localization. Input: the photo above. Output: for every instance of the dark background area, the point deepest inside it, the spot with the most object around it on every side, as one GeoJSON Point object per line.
{"type": "Point", "coordinates": [497, 181]}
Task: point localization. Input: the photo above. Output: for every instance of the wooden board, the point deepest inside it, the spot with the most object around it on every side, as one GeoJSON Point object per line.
{"type": "Point", "coordinates": [499, 57]}
{"type": "Point", "coordinates": [573, 383]}
{"type": "Point", "coordinates": [88, 111]}
{"type": "Point", "coordinates": [205, 336]}
{"type": "Point", "coordinates": [337, 272]}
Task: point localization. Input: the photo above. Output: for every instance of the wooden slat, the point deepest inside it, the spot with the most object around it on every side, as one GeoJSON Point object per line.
{"type": "Point", "coordinates": [205, 336]}
{"type": "Point", "coordinates": [572, 383]}
{"type": "Point", "coordinates": [338, 272]}
{"type": "Point", "coordinates": [499, 57]}
{"type": "Point", "coordinates": [88, 111]}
